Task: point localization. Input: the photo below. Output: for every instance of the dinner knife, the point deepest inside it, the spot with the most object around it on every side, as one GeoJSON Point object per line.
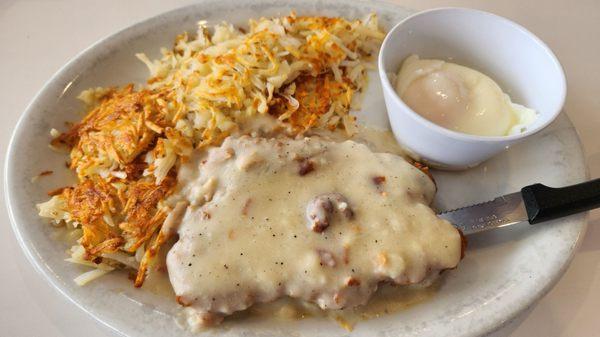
{"type": "Point", "coordinates": [534, 203]}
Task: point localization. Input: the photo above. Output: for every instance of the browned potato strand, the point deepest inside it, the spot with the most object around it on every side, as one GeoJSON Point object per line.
{"type": "Point", "coordinates": [303, 71]}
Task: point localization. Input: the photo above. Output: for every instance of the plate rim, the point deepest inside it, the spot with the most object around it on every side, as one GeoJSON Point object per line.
{"type": "Point", "coordinates": [37, 262]}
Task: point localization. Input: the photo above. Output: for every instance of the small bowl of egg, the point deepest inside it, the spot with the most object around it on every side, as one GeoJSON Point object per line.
{"type": "Point", "coordinates": [461, 85]}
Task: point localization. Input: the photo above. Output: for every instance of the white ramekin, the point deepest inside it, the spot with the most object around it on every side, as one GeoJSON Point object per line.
{"type": "Point", "coordinates": [517, 60]}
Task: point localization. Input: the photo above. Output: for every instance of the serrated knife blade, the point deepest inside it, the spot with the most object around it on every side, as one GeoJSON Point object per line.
{"type": "Point", "coordinates": [534, 203]}
{"type": "Point", "coordinates": [503, 211]}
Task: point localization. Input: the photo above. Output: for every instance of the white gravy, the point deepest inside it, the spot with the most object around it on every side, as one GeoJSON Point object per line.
{"type": "Point", "coordinates": [246, 237]}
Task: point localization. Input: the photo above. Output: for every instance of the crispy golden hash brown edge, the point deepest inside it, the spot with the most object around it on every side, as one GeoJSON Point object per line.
{"type": "Point", "coordinates": [304, 71]}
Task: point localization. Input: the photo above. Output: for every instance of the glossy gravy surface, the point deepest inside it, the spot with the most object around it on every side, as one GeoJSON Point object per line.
{"type": "Point", "coordinates": [248, 235]}
{"type": "Point", "coordinates": [387, 300]}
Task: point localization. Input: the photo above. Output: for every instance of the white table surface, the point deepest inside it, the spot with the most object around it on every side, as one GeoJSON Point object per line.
{"type": "Point", "coordinates": [37, 37]}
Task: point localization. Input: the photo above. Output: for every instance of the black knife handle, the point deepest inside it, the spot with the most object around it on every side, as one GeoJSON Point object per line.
{"type": "Point", "coordinates": [545, 203]}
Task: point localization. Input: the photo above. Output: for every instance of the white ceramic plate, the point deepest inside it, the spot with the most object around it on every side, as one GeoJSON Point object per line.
{"type": "Point", "coordinates": [503, 273]}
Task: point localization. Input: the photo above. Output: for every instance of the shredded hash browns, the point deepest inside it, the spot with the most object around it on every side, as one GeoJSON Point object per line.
{"type": "Point", "coordinates": [304, 71]}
